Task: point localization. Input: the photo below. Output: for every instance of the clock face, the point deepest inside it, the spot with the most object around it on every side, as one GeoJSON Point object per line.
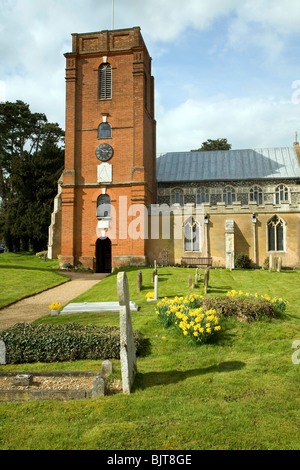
{"type": "Point", "coordinates": [104, 152]}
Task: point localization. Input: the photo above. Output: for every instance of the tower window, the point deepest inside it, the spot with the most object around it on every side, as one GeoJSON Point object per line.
{"type": "Point", "coordinates": [103, 206]}
{"type": "Point", "coordinates": [104, 130]}
{"type": "Point", "coordinates": [105, 82]}
{"type": "Point", "coordinates": [191, 235]}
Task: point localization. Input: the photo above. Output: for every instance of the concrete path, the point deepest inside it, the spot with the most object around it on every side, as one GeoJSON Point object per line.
{"type": "Point", "coordinates": [36, 306]}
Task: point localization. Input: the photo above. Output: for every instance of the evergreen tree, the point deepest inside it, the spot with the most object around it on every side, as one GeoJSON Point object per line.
{"type": "Point", "coordinates": [211, 144]}
{"type": "Point", "coordinates": [31, 157]}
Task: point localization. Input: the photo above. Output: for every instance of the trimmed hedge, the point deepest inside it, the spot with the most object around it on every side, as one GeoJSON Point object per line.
{"type": "Point", "coordinates": [27, 343]}
{"type": "Point", "coordinates": [245, 310]}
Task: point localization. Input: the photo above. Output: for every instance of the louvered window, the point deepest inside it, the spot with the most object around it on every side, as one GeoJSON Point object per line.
{"type": "Point", "coordinates": [105, 82]}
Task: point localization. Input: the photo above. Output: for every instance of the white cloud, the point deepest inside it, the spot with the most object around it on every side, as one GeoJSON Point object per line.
{"type": "Point", "coordinates": [245, 123]}
{"type": "Point", "coordinates": [34, 35]}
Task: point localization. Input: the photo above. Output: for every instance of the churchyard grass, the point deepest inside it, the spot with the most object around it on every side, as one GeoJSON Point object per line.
{"type": "Point", "coordinates": [241, 392]}
{"type": "Point", "coordinates": [24, 274]}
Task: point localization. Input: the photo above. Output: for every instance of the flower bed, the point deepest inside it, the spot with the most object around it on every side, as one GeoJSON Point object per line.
{"type": "Point", "coordinates": [188, 317]}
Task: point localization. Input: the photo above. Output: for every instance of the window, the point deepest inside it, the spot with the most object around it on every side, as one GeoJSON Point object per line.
{"type": "Point", "coordinates": [275, 234]}
{"type": "Point", "coordinates": [104, 82]}
{"type": "Point", "coordinates": [191, 235]}
{"type": "Point", "coordinates": [228, 195]}
{"type": "Point", "coordinates": [104, 130]}
{"type": "Point", "coordinates": [202, 196]}
{"type": "Point", "coordinates": [177, 196]}
{"type": "Point", "coordinates": [256, 194]}
{"type": "Point", "coordinates": [281, 194]}
{"type": "Point", "coordinates": [103, 206]}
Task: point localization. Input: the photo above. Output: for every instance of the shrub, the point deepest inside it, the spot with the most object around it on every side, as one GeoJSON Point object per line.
{"type": "Point", "coordinates": [243, 309]}
{"type": "Point", "coordinates": [243, 261]}
{"type": "Point", "coordinates": [66, 265]}
{"type": "Point", "coordinates": [55, 343]}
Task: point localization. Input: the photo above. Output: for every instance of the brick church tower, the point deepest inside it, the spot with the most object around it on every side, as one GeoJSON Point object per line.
{"type": "Point", "coordinates": [109, 177]}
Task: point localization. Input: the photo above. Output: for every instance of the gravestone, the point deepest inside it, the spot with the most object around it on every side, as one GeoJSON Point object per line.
{"type": "Point", "coordinates": [279, 264]}
{"type": "Point", "coordinates": [154, 273]}
{"type": "Point", "coordinates": [98, 387]}
{"type": "Point", "coordinates": [127, 346]}
{"type": "Point", "coordinates": [2, 353]}
{"type": "Point", "coordinates": [190, 281]}
{"type": "Point", "coordinates": [139, 281]}
{"type": "Point", "coordinates": [107, 367]}
{"type": "Point", "coordinates": [155, 264]}
{"type": "Point", "coordinates": [205, 281]}
{"type": "Point", "coordinates": [270, 263]}
{"type": "Point", "coordinates": [155, 287]}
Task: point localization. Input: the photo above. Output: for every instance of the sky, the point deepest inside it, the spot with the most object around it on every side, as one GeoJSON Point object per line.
{"type": "Point", "coordinates": [222, 68]}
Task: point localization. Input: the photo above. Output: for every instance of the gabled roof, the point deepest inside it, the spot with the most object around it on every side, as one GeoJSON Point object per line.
{"type": "Point", "coordinates": [228, 165]}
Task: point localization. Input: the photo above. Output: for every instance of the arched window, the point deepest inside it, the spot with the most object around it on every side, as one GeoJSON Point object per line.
{"type": "Point", "coordinates": [104, 82]}
{"type": "Point", "coordinates": [103, 206]}
{"type": "Point", "coordinates": [191, 235]}
{"type": "Point", "coordinates": [104, 130]}
{"type": "Point", "coordinates": [275, 234]}
{"type": "Point", "coordinates": [281, 194]}
{"type": "Point", "coordinates": [177, 196]}
{"type": "Point", "coordinates": [202, 195]}
{"type": "Point", "coordinates": [229, 195]}
{"type": "Point", "coordinates": [256, 194]}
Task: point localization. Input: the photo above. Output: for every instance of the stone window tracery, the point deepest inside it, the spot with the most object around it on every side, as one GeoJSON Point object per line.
{"type": "Point", "coordinates": [229, 195]}
{"type": "Point", "coordinates": [281, 194]}
{"type": "Point", "coordinates": [275, 234]}
{"type": "Point", "coordinates": [177, 196]}
{"type": "Point", "coordinates": [191, 235]}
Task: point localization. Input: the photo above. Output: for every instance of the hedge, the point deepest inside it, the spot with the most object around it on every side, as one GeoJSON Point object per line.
{"type": "Point", "coordinates": [26, 343]}
{"type": "Point", "coordinates": [246, 310]}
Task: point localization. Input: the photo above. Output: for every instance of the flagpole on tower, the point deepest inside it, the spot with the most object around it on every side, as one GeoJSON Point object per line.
{"type": "Point", "coordinates": [113, 14]}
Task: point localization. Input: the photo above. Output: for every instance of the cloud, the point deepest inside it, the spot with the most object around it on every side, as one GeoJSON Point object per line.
{"type": "Point", "coordinates": [246, 123]}
{"type": "Point", "coordinates": [34, 35]}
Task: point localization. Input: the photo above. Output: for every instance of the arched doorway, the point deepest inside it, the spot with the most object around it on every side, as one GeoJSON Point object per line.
{"type": "Point", "coordinates": [103, 255]}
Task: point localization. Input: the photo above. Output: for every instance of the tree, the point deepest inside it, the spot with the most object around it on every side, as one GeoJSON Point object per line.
{"type": "Point", "coordinates": [31, 157]}
{"type": "Point", "coordinates": [217, 144]}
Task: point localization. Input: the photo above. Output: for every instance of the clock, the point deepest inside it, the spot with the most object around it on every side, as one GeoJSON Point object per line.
{"type": "Point", "coordinates": [104, 152]}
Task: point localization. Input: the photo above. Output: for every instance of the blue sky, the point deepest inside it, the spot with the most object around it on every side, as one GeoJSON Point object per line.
{"type": "Point", "coordinates": [222, 68]}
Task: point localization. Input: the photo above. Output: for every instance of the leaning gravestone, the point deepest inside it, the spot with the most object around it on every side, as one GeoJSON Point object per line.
{"type": "Point", "coordinates": [190, 281]}
{"type": "Point", "coordinates": [2, 353]}
{"type": "Point", "coordinates": [127, 346]}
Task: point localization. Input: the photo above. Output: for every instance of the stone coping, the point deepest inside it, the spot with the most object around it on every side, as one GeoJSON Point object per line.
{"type": "Point", "coordinates": [69, 394]}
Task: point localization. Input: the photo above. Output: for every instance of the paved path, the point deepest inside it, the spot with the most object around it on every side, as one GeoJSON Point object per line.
{"type": "Point", "coordinates": [36, 306]}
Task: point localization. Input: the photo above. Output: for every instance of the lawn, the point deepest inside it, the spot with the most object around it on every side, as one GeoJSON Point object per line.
{"type": "Point", "coordinates": [241, 392]}
{"type": "Point", "coordinates": [23, 274]}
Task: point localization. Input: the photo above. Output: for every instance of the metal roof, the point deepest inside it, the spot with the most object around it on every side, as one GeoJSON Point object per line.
{"type": "Point", "coordinates": [272, 163]}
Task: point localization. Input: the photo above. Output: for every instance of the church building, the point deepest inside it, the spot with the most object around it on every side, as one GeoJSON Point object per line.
{"type": "Point", "coordinates": [118, 205]}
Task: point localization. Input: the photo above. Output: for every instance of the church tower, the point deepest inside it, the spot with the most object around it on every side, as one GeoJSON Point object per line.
{"type": "Point", "coordinates": [109, 179]}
